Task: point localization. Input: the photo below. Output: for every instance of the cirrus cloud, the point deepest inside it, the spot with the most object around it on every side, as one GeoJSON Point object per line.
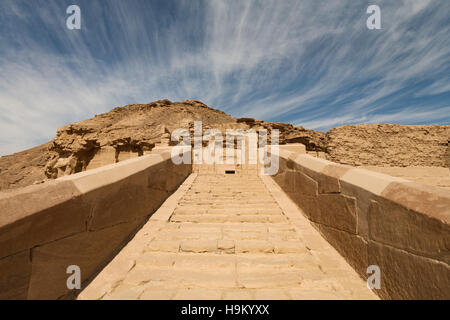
{"type": "Point", "coordinates": [312, 63]}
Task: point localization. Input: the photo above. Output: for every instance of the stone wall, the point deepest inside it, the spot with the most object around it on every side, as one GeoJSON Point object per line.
{"type": "Point", "coordinates": [376, 219]}
{"type": "Point", "coordinates": [389, 145]}
{"type": "Point", "coordinates": [82, 219]}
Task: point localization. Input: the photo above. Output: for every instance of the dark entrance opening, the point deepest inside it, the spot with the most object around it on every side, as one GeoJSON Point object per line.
{"type": "Point", "coordinates": [230, 171]}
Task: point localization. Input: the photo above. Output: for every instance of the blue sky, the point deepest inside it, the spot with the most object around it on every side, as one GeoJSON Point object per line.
{"type": "Point", "coordinates": [308, 62]}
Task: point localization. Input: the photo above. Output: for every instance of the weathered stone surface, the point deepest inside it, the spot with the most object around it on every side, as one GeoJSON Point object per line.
{"type": "Point", "coordinates": [337, 211]}
{"type": "Point", "coordinates": [374, 182]}
{"type": "Point", "coordinates": [324, 173]}
{"type": "Point", "coordinates": [308, 204]}
{"type": "Point", "coordinates": [364, 198]}
{"type": "Point", "coordinates": [328, 179]}
{"type": "Point", "coordinates": [273, 279]}
{"type": "Point", "coordinates": [408, 276]}
{"type": "Point", "coordinates": [88, 250]}
{"type": "Point", "coordinates": [102, 157]}
{"type": "Point", "coordinates": [288, 247]}
{"type": "Point", "coordinates": [108, 175]}
{"type": "Point", "coordinates": [226, 246]}
{"type": "Point", "coordinates": [25, 168]}
{"type": "Point", "coordinates": [199, 246]}
{"type": "Point", "coordinates": [155, 294]}
{"type": "Point", "coordinates": [424, 175]}
{"type": "Point", "coordinates": [175, 174]}
{"type": "Point", "coordinates": [253, 246]}
{"type": "Point", "coordinates": [238, 294]}
{"type": "Point", "coordinates": [137, 195]}
{"type": "Point", "coordinates": [392, 224]}
{"type": "Point", "coordinates": [163, 246]}
{"type": "Point", "coordinates": [432, 201]}
{"type": "Point", "coordinates": [40, 214]}
{"type": "Point", "coordinates": [15, 274]}
{"type": "Point", "coordinates": [198, 294]}
{"type": "Point", "coordinates": [304, 184]}
{"type": "Point", "coordinates": [166, 176]}
{"type": "Point", "coordinates": [125, 155]}
{"type": "Point", "coordinates": [304, 161]}
{"type": "Point", "coordinates": [21, 203]}
{"type": "Point", "coordinates": [294, 147]}
{"type": "Point", "coordinates": [286, 179]}
{"type": "Point", "coordinates": [352, 247]}
{"type": "Point", "coordinates": [125, 292]}
{"type": "Point", "coordinates": [388, 145]}
{"type": "Point", "coordinates": [271, 294]}
{"type": "Point", "coordinates": [123, 202]}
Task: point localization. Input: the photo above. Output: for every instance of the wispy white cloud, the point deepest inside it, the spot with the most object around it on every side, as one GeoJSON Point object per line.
{"type": "Point", "coordinates": [312, 63]}
{"type": "Point", "coordinates": [406, 116]}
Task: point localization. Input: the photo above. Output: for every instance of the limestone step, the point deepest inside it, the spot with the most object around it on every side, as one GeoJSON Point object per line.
{"type": "Point", "coordinates": [235, 202]}
{"type": "Point", "coordinates": [214, 218]}
{"type": "Point", "coordinates": [192, 210]}
{"type": "Point", "coordinates": [230, 235]}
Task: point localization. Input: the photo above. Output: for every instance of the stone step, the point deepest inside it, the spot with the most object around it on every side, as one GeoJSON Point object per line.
{"type": "Point", "coordinates": [189, 201]}
{"type": "Point", "coordinates": [269, 205]}
{"type": "Point", "coordinates": [214, 194]}
{"type": "Point", "coordinates": [202, 227]}
{"type": "Point", "coordinates": [215, 261]}
{"type": "Point", "coordinates": [214, 218]}
{"type": "Point", "coordinates": [229, 235]}
{"type": "Point", "coordinates": [174, 244]}
{"type": "Point", "coordinates": [190, 210]}
{"type": "Point", "coordinates": [228, 196]}
{"type": "Point", "coordinates": [244, 227]}
{"type": "Point", "coordinates": [221, 188]}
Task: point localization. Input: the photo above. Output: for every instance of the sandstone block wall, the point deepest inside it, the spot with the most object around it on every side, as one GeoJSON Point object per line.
{"type": "Point", "coordinates": [389, 145]}
{"type": "Point", "coordinates": [82, 219]}
{"type": "Point", "coordinates": [376, 219]}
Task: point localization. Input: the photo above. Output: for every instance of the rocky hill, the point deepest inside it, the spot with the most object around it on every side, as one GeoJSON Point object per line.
{"type": "Point", "coordinates": [24, 168]}
{"type": "Point", "coordinates": [126, 132]}
{"type": "Point", "coordinates": [389, 145]}
{"type": "Point", "coordinates": [134, 130]}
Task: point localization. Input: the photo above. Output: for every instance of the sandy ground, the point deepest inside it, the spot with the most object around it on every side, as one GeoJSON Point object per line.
{"type": "Point", "coordinates": [434, 176]}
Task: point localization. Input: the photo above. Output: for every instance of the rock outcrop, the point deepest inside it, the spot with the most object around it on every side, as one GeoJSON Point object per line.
{"type": "Point", "coordinates": [127, 132]}
{"type": "Point", "coordinates": [134, 130]}
{"type": "Point", "coordinates": [123, 133]}
{"type": "Point", "coordinates": [24, 168]}
{"type": "Point", "coordinates": [313, 140]}
{"type": "Point", "coordinates": [389, 145]}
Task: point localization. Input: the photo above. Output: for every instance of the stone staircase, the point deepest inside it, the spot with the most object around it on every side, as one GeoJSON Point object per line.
{"type": "Point", "coordinates": [148, 228]}
{"type": "Point", "coordinates": [228, 236]}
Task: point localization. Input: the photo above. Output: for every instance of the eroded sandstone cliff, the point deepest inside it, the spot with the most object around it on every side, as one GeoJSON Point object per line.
{"type": "Point", "coordinates": [24, 168]}
{"type": "Point", "coordinates": [134, 130]}
{"type": "Point", "coordinates": [127, 132]}
{"type": "Point", "coordinates": [389, 145]}
{"type": "Point", "coordinates": [124, 132]}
